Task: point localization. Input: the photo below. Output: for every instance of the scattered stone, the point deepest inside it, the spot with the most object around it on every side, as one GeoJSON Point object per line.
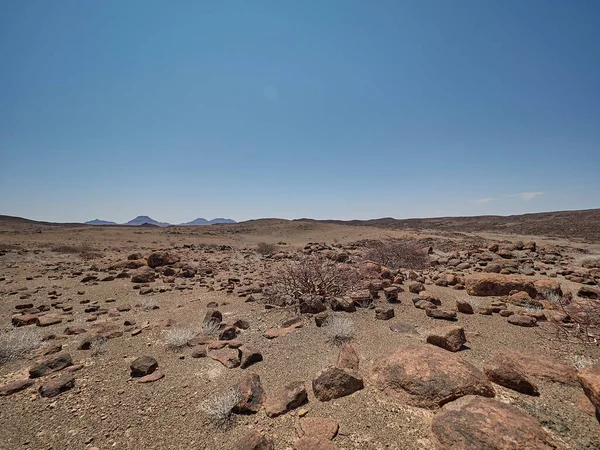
{"type": "Point", "coordinates": [474, 422]}
{"type": "Point", "coordinates": [429, 377]}
{"type": "Point", "coordinates": [491, 284]}
{"type": "Point", "coordinates": [443, 314]}
{"type": "Point", "coordinates": [254, 441]}
{"type": "Point", "coordinates": [229, 357]}
{"type": "Point", "coordinates": [252, 394]}
{"type": "Point", "coordinates": [15, 386]}
{"type": "Point", "coordinates": [415, 287]}
{"type": "Point", "coordinates": [424, 304]}
{"type": "Point", "coordinates": [154, 376]}
{"type": "Point", "coordinates": [48, 319]}
{"type": "Point", "coordinates": [430, 297]}
{"type": "Point", "coordinates": [508, 374]}
{"type": "Point", "coordinates": [249, 355]}
{"type": "Point", "coordinates": [521, 320]}
{"type": "Point", "coordinates": [24, 320]}
{"type": "Point", "coordinates": [51, 364]}
{"type": "Point", "coordinates": [212, 316]}
{"type": "Point", "coordinates": [319, 427]}
{"type": "Point", "coordinates": [311, 304]}
{"type": "Point", "coordinates": [589, 378]}
{"type": "Point", "coordinates": [199, 352]}
{"type": "Point", "coordinates": [278, 332]}
{"type": "Point", "coordinates": [537, 365]}
{"type": "Point", "coordinates": [241, 324]}
{"type": "Point", "coordinates": [384, 313]}
{"type": "Point", "coordinates": [335, 382]}
{"type": "Point", "coordinates": [348, 357]}
{"type": "Point", "coordinates": [312, 443]}
{"type": "Point", "coordinates": [158, 259]}
{"type": "Point", "coordinates": [228, 333]}
{"type": "Point", "coordinates": [403, 328]}
{"type": "Point", "coordinates": [464, 307]}
{"type": "Point", "coordinates": [143, 275]}
{"type": "Point", "coordinates": [450, 338]}
{"type": "Point", "coordinates": [57, 386]}
{"type": "Point", "coordinates": [589, 292]}
{"type": "Point", "coordinates": [142, 366]}
{"type": "Point", "coordinates": [291, 397]}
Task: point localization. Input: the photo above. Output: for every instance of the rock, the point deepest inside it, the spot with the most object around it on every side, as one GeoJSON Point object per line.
{"type": "Point", "coordinates": [51, 364]}
{"type": "Point", "coordinates": [450, 338]}
{"type": "Point", "coordinates": [589, 292]}
{"type": "Point", "coordinates": [291, 397]}
{"type": "Point", "coordinates": [484, 310]}
{"type": "Point", "coordinates": [158, 259]}
{"type": "Point", "coordinates": [477, 423]}
{"type": "Point", "coordinates": [212, 316]}
{"type": "Point", "coordinates": [391, 294]}
{"type": "Point", "coordinates": [199, 353]}
{"type": "Point", "coordinates": [589, 378]}
{"type": "Point", "coordinates": [491, 284]}
{"type": "Point", "coordinates": [444, 314]}
{"type": "Point", "coordinates": [249, 355]}
{"type": "Point", "coordinates": [342, 304]}
{"type": "Point", "coordinates": [143, 275]}
{"type": "Point", "coordinates": [254, 441]}
{"type": "Point", "coordinates": [313, 443]}
{"type": "Point", "coordinates": [415, 287]}
{"type": "Point", "coordinates": [15, 386]}
{"type": "Point", "coordinates": [150, 378]}
{"type": "Point", "coordinates": [430, 297]}
{"type": "Point", "coordinates": [252, 394]}
{"type": "Point", "coordinates": [424, 304]}
{"type": "Point", "coordinates": [57, 386]}
{"type": "Point", "coordinates": [229, 357]}
{"type": "Point", "coordinates": [384, 313]}
{"type": "Point", "coordinates": [319, 427]}
{"type": "Point", "coordinates": [348, 357]}
{"type": "Point", "coordinates": [48, 319]}
{"type": "Point", "coordinates": [546, 287]}
{"type": "Point", "coordinates": [521, 320]}
{"type": "Point", "coordinates": [429, 377]}
{"type": "Point", "coordinates": [142, 366]}
{"type": "Point", "coordinates": [522, 298]}
{"type": "Point", "coordinates": [537, 365]}
{"type": "Point", "coordinates": [334, 382]}
{"type": "Point", "coordinates": [311, 304]}
{"type": "Point", "coordinates": [241, 324]}
{"type": "Point", "coordinates": [508, 374]}
{"type": "Point", "coordinates": [24, 320]}
{"type": "Point", "coordinates": [506, 312]}
{"type": "Point", "coordinates": [278, 332]}
{"type": "Point", "coordinates": [464, 307]}
{"type": "Point", "coordinates": [321, 318]}
{"type": "Point", "coordinates": [228, 333]}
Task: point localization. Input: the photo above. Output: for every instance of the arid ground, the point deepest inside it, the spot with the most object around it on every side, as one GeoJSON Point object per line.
{"type": "Point", "coordinates": [479, 339]}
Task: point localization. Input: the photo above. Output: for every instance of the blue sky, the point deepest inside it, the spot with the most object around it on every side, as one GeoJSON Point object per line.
{"type": "Point", "coordinates": [325, 109]}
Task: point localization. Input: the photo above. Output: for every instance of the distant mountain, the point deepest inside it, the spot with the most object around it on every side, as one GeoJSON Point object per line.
{"type": "Point", "coordinates": [141, 220]}
{"type": "Point", "coordinates": [100, 222]}
{"type": "Point", "coordinates": [202, 221]}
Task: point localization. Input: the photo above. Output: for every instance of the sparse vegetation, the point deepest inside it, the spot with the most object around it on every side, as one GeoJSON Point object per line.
{"type": "Point", "coordinates": [210, 327]}
{"type": "Point", "coordinates": [584, 320]}
{"type": "Point", "coordinates": [313, 274]}
{"type": "Point", "coordinates": [17, 343]}
{"type": "Point", "coordinates": [178, 337]}
{"type": "Point", "coordinates": [265, 249]}
{"type": "Point", "coordinates": [148, 304]}
{"type": "Point", "coordinates": [86, 251]}
{"type": "Point", "coordinates": [397, 254]}
{"type": "Point", "coordinates": [340, 329]}
{"type": "Point", "coordinates": [97, 346]}
{"type": "Point", "coordinates": [581, 362]}
{"type": "Point", "coordinates": [219, 408]}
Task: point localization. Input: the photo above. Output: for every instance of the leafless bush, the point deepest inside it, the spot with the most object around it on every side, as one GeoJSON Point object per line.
{"type": "Point", "coordinates": [591, 262]}
{"type": "Point", "coordinates": [210, 327]}
{"type": "Point", "coordinates": [219, 408]}
{"type": "Point", "coordinates": [397, 254]}
{"type": "Point", "coordinates": [86, 251]}
{"type": "Point", "coordinates": [178, 337]}
{"type": "Point", "coordinates": [584, 324]}
{"type": "Point", "coordinates": [581, 362]}
{"type": "Point", "coordinates": [340, 329]}
{"type": "Point", "coordinates": [265, 249]}
{"type": "Point", "coordinates": [315, 275]}
{"type": "Point", "coordinates": [97, 346]}
{"type": "Point", "coordinates": [17, 343]}
{"type": "Point", "coordinates": [148, 304]}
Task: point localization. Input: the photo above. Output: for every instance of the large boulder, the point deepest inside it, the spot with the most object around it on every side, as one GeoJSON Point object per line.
{"type": "Point", "coordinates": [478, 423]}
{"type": "Point", "coordinates": [450, 338]}
{"type": "Point", "coordinates": [508, 374]}
{"type": "Point", "coordinates": [590, 381]}
{"type": "Point", "coordinates": [429, 377]}
{"type": "Point", "coordinates": [50, 364]}
{"type": "Point", "coordinates": [494, 284]}
{"type": "Point", "coordinates": [537, 365]}
{"type": "Point", "coordinates": [252, 394]}
{"type": "Point", "coordinates": [290, 397]}
{"type": "Point", "coordinates": [335, 382]}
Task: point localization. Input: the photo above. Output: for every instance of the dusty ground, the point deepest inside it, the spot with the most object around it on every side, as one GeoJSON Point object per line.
{"type": "Point", "coordinates": [107, 409]}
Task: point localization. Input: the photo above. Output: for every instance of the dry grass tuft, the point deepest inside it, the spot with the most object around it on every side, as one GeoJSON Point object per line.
{"type": "Point", "coordinates": [397, 254]}
{"type": "Point", "coordinates": [340, 329]}
{"type": "Point", "coordinates": [265, 249]}
{"type": "Point", "coordinates": [219, 408]}
{"type": "Point", "coordinates": [17, 343]}
{"type": "Point", "coordinates": [178, 337]}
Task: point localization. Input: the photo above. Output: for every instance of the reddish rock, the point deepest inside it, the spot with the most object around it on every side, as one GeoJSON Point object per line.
{"type": "Point", "coordinates": [415, 287]}
{"type": "Point", "coordinates": [430, 297]}
{"type": "Point", "coordinates": [334, 382]}
{"type": "Point", "coordinates": [24, 320]}
{"type": "Point", "coordinates": [15, 386]}
{"type": "Point", "coordinates": [318, 427]}
{"type": "Point", "coordinates": [348, 357]}
{"type": "Point", "coordinates": [142, 366]}
{"type": "Point", "coordinates": [313, 443]}
{"type": "Point", "coordinates": [51, 364]}
{"type": "Point", "coordinates": [450, 338]}
{"type": "Point", "coordinates": [154, 376]}
{"type": "Point", "coordinates": [442, 314]}
{"type": "Point", "coordinates": [537, 365]}
{"type": "Point", "coordinates": [158, 259]}
{"type": "Point", "coordinates": [384, 313]}
{"type": "Point", "coordinates": [254, 441]}
{"type": "Point", "coordinates": [464, 307]}
{"type": "Point", "coordinates": [57, 386]}
{"type": "Point", "coordinates": [48, 319]}
{"type": "Point", "coordinates": [589, 378]}
{"type": "Point", "coordinates": [546, 287]}
{"type": "Point", "coordinates": [491, 284]}
{"type": "Point", "coordinates": [278, 332]}
{"type": "Point", "coordinates": [424, 304]}
{"type": "Point", "coordinates": [508, 374]}
{"type": "Point", "coordinates": [291, 397]}
{"type": "Point", "coordinates": [249, 355]}
{"type": "Point", "coordinates": [143, 275]}
{"type": "Point", "coordinates": [477, 423]}
{"type": "Point", "coordinates": [429, 377]}
{"type": "Point", "coordinates": [522, 320]}
{"type": "Point", "coordinates": [252, 394]}
{"type": "Point", "coordinates": [229, 357]}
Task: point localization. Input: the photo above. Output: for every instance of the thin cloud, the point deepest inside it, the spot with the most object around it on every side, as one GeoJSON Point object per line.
{"type": "Point", "coordinates": [526, 196]}
{"type": "Point", "coordinates": [481, 201]}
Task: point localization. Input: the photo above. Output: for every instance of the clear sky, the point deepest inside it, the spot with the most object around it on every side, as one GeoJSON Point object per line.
{"type": "Point", "coordinates": [325, 109]}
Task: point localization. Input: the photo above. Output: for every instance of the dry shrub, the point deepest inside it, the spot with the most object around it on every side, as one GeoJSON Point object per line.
{"type": "Point", "coordinates": [584, 315]}
{"type": "Point", "coordinates": [340, 329]}
{"type": "Point", "coordinates": [17, 343]}
{"type": "Point", "coordinates": [219, 408]}
{"type": "Point", "coordinates": [265, 249]}
{"type": "Point", "coordinates": [86, 251]}
{"type": "Point", "coordinates": [397, 254]}
{"type": "Point", "coordinates": [313, 274]}
{"type": "Point", "coordinates": [178, 337]}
